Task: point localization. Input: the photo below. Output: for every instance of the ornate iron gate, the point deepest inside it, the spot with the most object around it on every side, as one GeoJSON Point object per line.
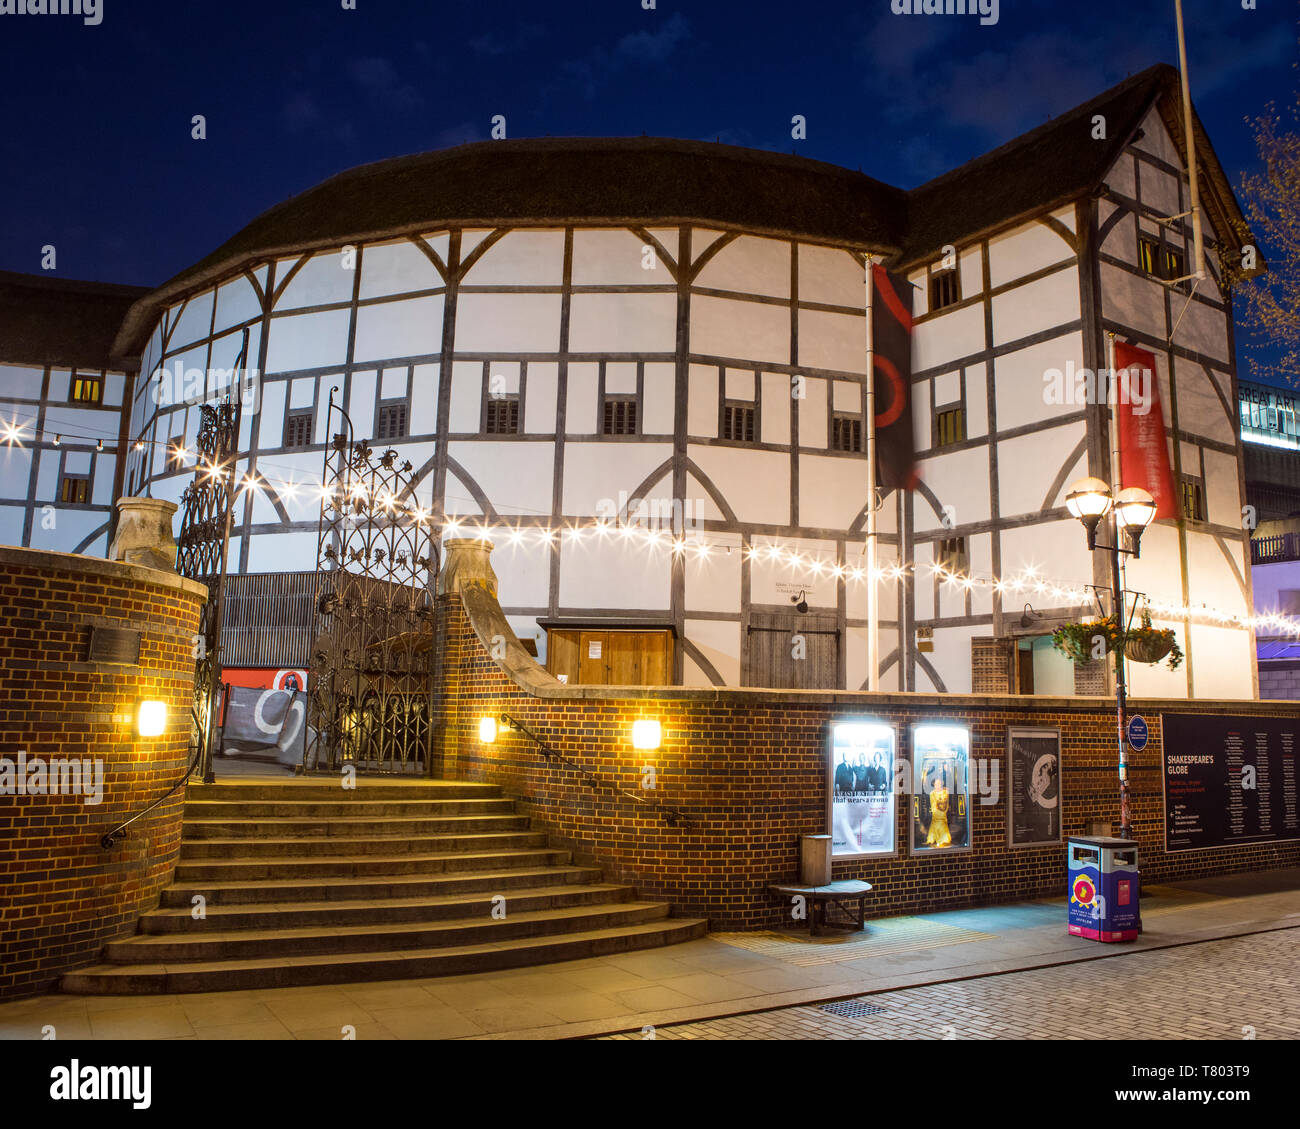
{"type": "Point", "coordinates": [370, 699]}
{"type": "Point", "coordinates": [201, 550]}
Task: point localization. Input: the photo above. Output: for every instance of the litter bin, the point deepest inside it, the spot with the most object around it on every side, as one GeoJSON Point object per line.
{"type": "Point", "coordinates": [1104, 888]}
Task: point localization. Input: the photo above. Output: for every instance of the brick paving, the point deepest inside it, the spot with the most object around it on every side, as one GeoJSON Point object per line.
{"type": "Point", "coordinates": [1215, 990]}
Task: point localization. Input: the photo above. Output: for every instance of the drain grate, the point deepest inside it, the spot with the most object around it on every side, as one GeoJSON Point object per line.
{"type": "Point", "coordinates": [852, 1009]}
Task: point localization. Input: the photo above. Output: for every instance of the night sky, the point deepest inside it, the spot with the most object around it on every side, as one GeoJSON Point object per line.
{"type": "Point", "coordinates": [98, 158]}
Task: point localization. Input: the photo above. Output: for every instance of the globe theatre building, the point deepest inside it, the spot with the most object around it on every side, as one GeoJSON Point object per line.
{"type": "Point", "coordinates": [557, 333]}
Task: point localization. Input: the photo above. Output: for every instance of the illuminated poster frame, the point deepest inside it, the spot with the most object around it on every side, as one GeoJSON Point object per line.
{"type": "Point", "coordinates": [1031, 779]}
{"type": "Point", "coordinates": [867, 810]}
{"type": "Point", "coordinates": [939, 747]}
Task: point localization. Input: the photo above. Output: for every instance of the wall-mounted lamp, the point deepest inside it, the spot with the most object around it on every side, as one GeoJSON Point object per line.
{"type": "Point", "coordinates": [800, 603]}
{"type": "Point", "coordinates": [487, 730]}
{"type": "Point", "coordinates": [151, 719]}
{"type": "Point", "coordinates": [646, 734]}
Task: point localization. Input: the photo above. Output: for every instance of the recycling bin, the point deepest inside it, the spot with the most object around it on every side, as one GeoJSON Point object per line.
{"type": "Point", "coordinates": [1104, 888]}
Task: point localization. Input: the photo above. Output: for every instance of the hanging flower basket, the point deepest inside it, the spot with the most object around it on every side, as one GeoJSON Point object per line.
{"type": "Point", "coordinates": [1144, 644]}
{"type": "Point", "coordinates": [1147, 644]}
{"type": "Point", "coordinates": [1078, 641]}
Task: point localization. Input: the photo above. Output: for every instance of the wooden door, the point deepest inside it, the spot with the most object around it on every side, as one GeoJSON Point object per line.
{"type": "Point", "coordinates": [793, 653]}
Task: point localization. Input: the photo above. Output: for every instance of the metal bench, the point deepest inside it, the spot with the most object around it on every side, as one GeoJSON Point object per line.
{"type": "Point", "coordinates": [841, 893]}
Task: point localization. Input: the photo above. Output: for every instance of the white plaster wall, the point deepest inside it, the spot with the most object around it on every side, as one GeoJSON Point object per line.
{"type": "Point", "coordinates": [327, 277]}
{"type": "Point", "coordinates": [724, 327]}
{"type": "Point", "coordinates": [749, 265]}
{"type": "Point", "coordinates": [1022, 251]}
{"type": "Point", "coordinates": [1036, 306]}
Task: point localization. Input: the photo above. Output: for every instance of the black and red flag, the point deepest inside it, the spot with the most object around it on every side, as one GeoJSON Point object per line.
{"type": "Point", "coordinates": [891, 329]}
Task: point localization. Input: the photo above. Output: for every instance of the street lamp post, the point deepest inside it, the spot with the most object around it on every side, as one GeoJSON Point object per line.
{"type": "Point", "coordinates": [1131, 510]}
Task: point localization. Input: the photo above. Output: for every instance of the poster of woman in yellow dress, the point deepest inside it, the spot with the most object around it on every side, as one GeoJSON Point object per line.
{"type": "Point", "coordinates": [941, 791]}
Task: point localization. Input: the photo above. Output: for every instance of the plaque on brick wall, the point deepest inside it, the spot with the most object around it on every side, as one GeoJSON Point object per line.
{"type": "Point", "coordinates": [118, 645]}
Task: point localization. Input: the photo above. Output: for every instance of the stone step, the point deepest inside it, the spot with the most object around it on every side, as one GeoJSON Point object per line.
{"type": "Point", "coordinates": [375, 937]}
{"type": "Point", "coordinates": [388, 845]}
{"type": "Point", "coordinates": [287, 891]}
{"type": "Point", "coordinates": [345, 968]}
{"type": "Point", "coordinates": [331, 788]}
{"type": "Point", "coordinates": [347, 827]}
{"type": "Point", "coordinates": [203, 810]}
{"type": "Point", "coordinates": [387, 911]}
{"type": "Point", "coordinates": [347, 866]}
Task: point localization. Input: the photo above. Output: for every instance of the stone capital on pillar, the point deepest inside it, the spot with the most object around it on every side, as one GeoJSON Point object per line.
{"type": "Point", "coordinates": [466, 563]}
{"type": "Point", "coordinates": [144, 533]}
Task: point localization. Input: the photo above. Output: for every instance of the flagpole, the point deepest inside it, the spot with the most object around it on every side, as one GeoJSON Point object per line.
{"type": "Point", "coordinates": [1119, 602]}
{"type": "Point", "coordinates": [1194, 194]}
{"type": "Point", "coordinates": [873, 595]}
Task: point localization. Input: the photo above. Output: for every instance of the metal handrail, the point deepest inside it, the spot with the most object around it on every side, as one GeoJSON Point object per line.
{"type": "Point", "coordinates": [671, 816]}
{"type": "Point", "coordinates": [112, 838]}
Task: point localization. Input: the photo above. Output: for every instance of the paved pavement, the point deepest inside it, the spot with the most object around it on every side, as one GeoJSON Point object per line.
{"type": "Point", "coordinates": [1242, 987]}
{"type": "Point", "coordinates": [924, 970]}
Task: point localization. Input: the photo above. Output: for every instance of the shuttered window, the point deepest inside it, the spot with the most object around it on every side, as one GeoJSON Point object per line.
{"type": "Point", "coordinates": [502, 415]}
{"type": "Point", "coordinates": [619, 416]}
{"type": "Point", "coordinates": [846, 433]}
{"type": "Point", "coordinates": [392, 421]}
{"type": "Point", "coordinates": [738, 421]}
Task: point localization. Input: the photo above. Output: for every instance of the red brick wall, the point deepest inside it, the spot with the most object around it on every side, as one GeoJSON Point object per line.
{"type": "Point", "coordinates": [63, 895]}
{"type": "Point", "coordinates": [749, 769]}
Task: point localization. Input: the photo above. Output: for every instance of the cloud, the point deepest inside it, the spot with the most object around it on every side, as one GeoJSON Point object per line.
{"type": "Point", "coordinates": [640, 48]}
{"type": "Point", "coordinates": [300, 112]}
{"type": "Point", "coordinates": [379, 79]}
{"type": "Point", "coordinates": [493, 45]}
{"type": "Point", "coordinates": [655, 46]}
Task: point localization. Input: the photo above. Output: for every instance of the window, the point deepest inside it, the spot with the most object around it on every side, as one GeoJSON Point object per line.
{"type": "Point", "coordinates": [738, 421]}
{"type": "Point", "coordinates": [1193, 500]}
{"type": "Point", "coordinates": [1161, 261]}
{"type": "Point", "coordinates": [502, 415]}
{"type": "Point", "coordinates": [952, 556]}
{"type": "Point", "coordinates": [1149, 255]}
{"type": "Point", "coordinates": [944, 290]}
{"type": "Point", "coordinates": [949, 426]}
{"type": "Point", "coordinates": [392, 421]}
{"type": "Point", "coordinates": [75, 489]}
{"type": "Point", "coordinates": [297, 429]}
{"type": "Point", "coordinates": [846, 433]}
{"type": "Point", "coordinates": [619, 416]}
{"type": "Point", "coordinates": [87, 390]}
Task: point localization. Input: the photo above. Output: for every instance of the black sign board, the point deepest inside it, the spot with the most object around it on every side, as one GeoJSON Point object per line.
{"type": "Point", "coordinates": [1033, 786]}
{"type": "Point", "coordinates": [1229, 780]}
{"type": "Point", "coordinates": [114, 645]}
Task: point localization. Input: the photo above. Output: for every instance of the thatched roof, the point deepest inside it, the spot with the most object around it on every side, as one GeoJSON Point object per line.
{"type": "Point", "coordinates": [652, 181]}
{"type": "Point", "coordinates": [46, 320]}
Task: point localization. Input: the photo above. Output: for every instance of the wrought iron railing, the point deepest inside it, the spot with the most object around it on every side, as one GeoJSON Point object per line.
{"type": "Point", "coordinates": [1275, 548]}
{"type": "Point", "coordinates": [674, 817]}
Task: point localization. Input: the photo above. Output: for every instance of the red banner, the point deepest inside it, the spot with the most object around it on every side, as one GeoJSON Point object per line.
{"type": "Point", "coordinates": [1143, 451]}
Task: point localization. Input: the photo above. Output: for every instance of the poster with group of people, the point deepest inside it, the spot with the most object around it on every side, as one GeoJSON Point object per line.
{"type": "Point", "coordinates": [862, 760]}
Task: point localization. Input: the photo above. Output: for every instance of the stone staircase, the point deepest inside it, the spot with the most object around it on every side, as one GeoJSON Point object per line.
{"type": "Point", "coordinates": [304, 882]}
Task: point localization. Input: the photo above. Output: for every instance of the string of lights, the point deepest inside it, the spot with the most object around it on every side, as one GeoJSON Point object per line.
{"type": "Point", "coordinates": [695, 546]}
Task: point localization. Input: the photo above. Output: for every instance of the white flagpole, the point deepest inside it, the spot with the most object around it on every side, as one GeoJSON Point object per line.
{"type": "Point", "coordinates": [1194, 194]}
{"type": "Point", "coordinates": [873, 594]}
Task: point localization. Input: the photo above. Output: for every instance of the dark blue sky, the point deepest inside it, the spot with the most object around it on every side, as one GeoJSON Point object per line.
{"type": "Point", "coordinates": [98, 159]}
